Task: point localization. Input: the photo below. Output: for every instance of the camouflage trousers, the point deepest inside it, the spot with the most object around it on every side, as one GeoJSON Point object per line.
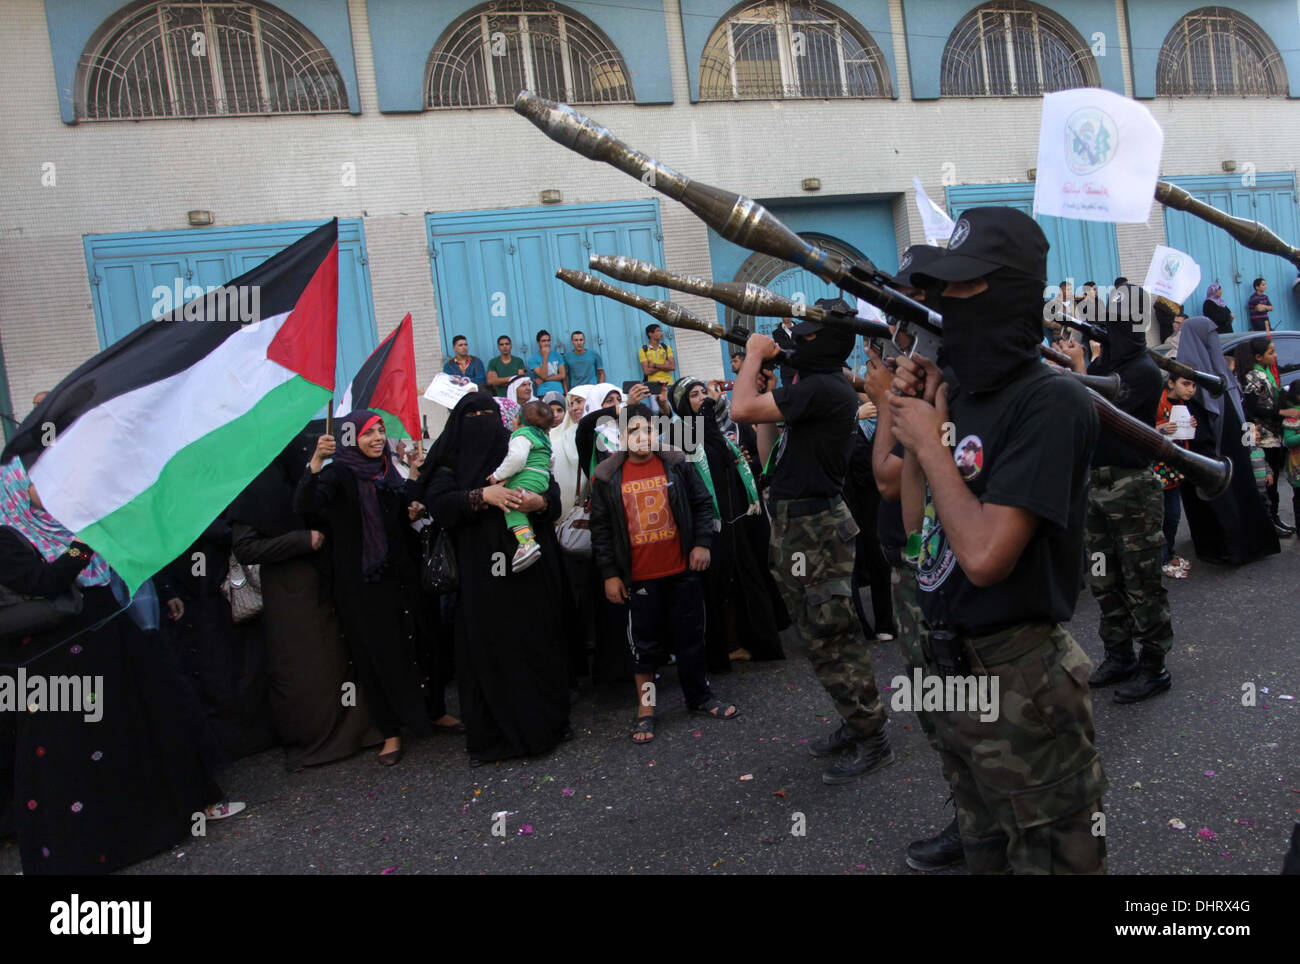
{"type": "Point", "coordinates": [1125, 541]}
{"type": "Point", "coordinates": [1028, 783]}
{"type": "Point", "coordinates": [911, 633]}
{"type": "Point", "coordinates": [812, 560]}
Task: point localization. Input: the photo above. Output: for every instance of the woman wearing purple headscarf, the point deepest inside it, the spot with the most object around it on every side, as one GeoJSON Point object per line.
{"type": "Point", "coordinates": [367, 511]}
{"type": "Point", "coordinates": [1234, 527]}
{"type": "Point", "coordinates": [1217, 310]}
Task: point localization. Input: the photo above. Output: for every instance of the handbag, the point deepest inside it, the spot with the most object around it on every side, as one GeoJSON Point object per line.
{"type": "Point", "coordinates": [439, 574]}
{"type": "Point", "coordinates": [23, 616]}
{"type": "Point", "coordinates": [573, 531]}
{"type": "Point", "coordinates": [242, 588]}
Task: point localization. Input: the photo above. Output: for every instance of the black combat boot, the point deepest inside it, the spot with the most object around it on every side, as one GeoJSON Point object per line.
{"type": "Point", "coordinates": [1113, 669]}
{"type": "Point", "coordinates": [940, 851]}
{"type": "Point", "coordinates": [870, 754]}
{"type": "Point", "coordinates": [1281, 528]}
{"type": "Point", "coordinates": [1151, 678]}
{"type": "Point", "coordinates": [842, 739]}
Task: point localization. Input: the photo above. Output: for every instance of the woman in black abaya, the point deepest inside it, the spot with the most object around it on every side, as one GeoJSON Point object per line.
{"type": "Point", "coordinates": [738, 588]}
{"type": "Point", "coordinates": [510, 637]}
{"type": "Point", "coordinates": [93, 791]}
{"type": "Point", "coordinates": [1233, 528]}
{"type": "Point", "coordinates": [367, 512]}
{"type": "Point", "coordinates": [306, 653]}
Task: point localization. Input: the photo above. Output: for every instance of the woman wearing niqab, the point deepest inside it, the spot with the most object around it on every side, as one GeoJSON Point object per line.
{"type": "Point", "coordinates": [509, 628]}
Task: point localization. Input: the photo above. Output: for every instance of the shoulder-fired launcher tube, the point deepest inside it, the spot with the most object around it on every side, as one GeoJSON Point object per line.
{"type": "Point", "coordinates": [749, 298]}
{"type": "Point", "coordinates": [670, 314]}
{"type": "Point", "coordinates": [737, 218]}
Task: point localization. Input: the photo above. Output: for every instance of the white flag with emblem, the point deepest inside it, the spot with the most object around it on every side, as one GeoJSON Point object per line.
{"type": "Point", "coordinates": [934, 219]}
{"type": "Point", "coordinates": [1098, 157]}
{"type": "Point", "coordinates": [1173, 275]}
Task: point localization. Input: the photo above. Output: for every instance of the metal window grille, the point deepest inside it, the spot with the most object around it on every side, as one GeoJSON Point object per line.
{"type": "Point", "coordinates": [1013, 49]}
{"type": "Point", "coordinates": [499, 49]}
{"type": "Point", "coordinates": [789, 48]}
{"type": "Point", "coordinates": [763, 269]}
{"type": "Point", "coordinates": [1215, 51]}
{"type": "Point", "coordinates": [205, 59]}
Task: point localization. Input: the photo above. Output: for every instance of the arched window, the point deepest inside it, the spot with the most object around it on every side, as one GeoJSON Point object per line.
{"type": "Point", "coordinates": [1215, 50]}
{"type": "Point", "coordinates": [492, 53]}
{"type": "Point", "coordinates": [1014, 49]}
{"type": "Point", "coordinates": [791, 48]}
{"type": "Point", "coordinates": [205, 59]}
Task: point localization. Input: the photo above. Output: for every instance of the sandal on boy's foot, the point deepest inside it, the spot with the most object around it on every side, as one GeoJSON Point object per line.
{"type": "Point", "coordinates": [1173, 571]}
{"type": "Point", "coordinates": [643, 724]}
{"type": "Point", "coordinates": [224, 809]}
{"type": "Point", "coordinates": [1184, 564]}
{"type": "Point", "coordinates": [525, 556]}
{"type": "Point", "coordinates": [713, 707]}
{"type": "Point", "coordinates": [740, 655]}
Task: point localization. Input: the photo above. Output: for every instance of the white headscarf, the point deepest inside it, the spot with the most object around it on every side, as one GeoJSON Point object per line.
{"type": "Point", "coordinates": [564, 445]}
{"type": "Point", "coordinates": [513, 388]}
{"type": "Point", "coordinates": [608, 428]}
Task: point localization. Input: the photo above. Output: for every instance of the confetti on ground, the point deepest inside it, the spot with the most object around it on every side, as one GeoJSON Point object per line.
{"type": "Point", "coordinates": [1205, 833]}
{"type": "Point", "coordinates": [388, 870]}
{"type": "Point", "coordinates": [1177, 824]}
{"type": "Point", "coordinates": [525, 830]}
{"type": "Point", "coordinates": [778, 793]}
{"type": "Point", "coordinates": [567, 792]}
{"type": "Point", "coordinates": [748, 776]}
{"type": "Point", "coordinates": [697, 734]}
{"type": "Point", "coordinates": [1209, 773]}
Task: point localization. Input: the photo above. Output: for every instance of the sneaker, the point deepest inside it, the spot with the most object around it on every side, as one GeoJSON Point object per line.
{"type": "Point", "coordinates": [1173, 570]}
{"type": "Point", "coordinates": [1112, 670]}
{"type": "Point", "coordinates": [885, 637]}
{"type": "Point", "coordinates": [940, 851]}
{"type": "Point", "coordinates": [871, 754]}
{"type": "Point", "coordinates": [525, 556]}
{"type": "Point", "coordinates": [224, 809]}
{"type": "Point", "coordinates": [842, 739]}
{"type": "Point", "coordinates": [1281, 528]}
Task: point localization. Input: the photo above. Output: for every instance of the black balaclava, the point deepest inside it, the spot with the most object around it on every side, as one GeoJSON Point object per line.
{"type": "Point", "coordinates": [1127, 311]}
{"type": "Point", "coordinates": [828, 350]}
{"type": "Point", "coordinates": [992, 337]}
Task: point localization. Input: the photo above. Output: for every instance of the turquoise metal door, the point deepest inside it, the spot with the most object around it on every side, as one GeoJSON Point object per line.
{"type": "Point", "coordinates": [1271, 200]}
{"type": "Point", "coordinates": [494, 274]}
{"type": "Point", "coordinates": [128, 273]}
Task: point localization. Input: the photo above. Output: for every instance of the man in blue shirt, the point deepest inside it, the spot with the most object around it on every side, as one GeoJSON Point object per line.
{"type": "Point", "coordinates": [465, 364]}
{"type": "Point", "coordinates": [546, 369]}
{"type": "Point", "coordinates": [583, 367]}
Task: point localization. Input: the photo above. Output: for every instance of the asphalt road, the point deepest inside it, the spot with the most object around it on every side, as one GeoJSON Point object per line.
{"type": "Point", "coordinates": [724, 797]}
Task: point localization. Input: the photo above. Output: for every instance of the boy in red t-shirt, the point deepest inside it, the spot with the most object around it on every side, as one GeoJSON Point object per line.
{"type": "Point", "coordinates": [1178, 391]}
{"type": "Point", "coordinates": [651, 528]}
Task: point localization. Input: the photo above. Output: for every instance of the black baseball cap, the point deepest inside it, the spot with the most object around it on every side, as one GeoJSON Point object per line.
{"type": "Point", "coordinates": [810, 327]}
{"type": "Point", "coordinates": [987, 239]}
{"type": "Point", "coordinates": [914, 260]}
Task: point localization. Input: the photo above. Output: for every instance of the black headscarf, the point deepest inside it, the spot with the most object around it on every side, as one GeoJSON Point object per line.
{"type": "Point", "coordinates": [371, 474]}
{"type": "Point", "coordinates": [267, 503]}
{"type": "Point", "coordinates": [472, 444]}
{"type": "Point", "coordinates": [991, 338]}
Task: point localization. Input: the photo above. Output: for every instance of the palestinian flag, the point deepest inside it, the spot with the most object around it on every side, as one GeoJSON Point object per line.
{"type": "Point", "coordinates": [386, 384]}
{"type": "Point", "coordinates": [139, 449]}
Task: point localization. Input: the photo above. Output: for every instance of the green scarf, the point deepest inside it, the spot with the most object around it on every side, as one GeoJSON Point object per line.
{"type": "Point", "coordinates": [742, 466]}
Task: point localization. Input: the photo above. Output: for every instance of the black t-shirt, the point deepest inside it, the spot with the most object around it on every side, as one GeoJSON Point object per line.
{"type": "Point", "coordinates": [820, 413]}
{"type": "Point", "coordinates": [1027, 445]}
{"type": "Point", "coordinates": [1139, 397]}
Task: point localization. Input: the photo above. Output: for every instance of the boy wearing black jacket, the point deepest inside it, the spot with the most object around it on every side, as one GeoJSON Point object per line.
{"type": "Point", "coordinates": [651, 529]}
